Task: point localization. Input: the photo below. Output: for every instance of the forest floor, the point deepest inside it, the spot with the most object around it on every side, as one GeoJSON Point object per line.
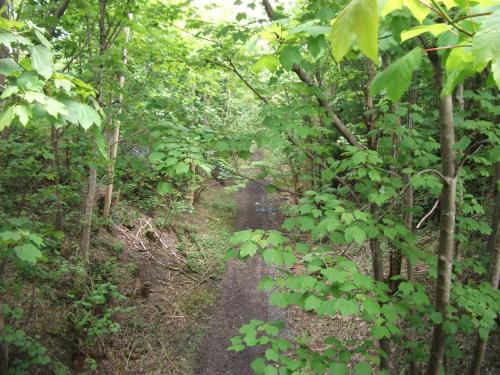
{"type": "Point", "coordinates": [240, 301]}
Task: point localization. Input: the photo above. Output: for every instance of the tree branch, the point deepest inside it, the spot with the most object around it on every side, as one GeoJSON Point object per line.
{"type": "Point", "coordinates": [308, 80]}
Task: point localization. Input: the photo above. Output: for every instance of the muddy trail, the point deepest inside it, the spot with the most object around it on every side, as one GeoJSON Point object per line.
{"type": "Point", "coordinates": [240, 301]}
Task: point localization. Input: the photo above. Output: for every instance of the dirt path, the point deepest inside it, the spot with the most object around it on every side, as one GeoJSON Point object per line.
{"type": "Point", "coordinates": [239, 301]}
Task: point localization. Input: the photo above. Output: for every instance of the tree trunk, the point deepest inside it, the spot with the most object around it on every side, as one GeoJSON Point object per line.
{"type": "Point", "coordinates": [447, 223]}
{"type": "Point", "coordinates": [460, 97]}
{"type": "Point", "coordinates": [59, 219]}
{"type": "Point", "coordinates": [88, 212]}
{"type": "Point", "coordinates": [115, 138]}
{"type": "Point", "coordinates": [377, 261]}
{"type": "Point", "coordinates": [395, 254]}
{"type": "Point", "coordinates": [4, 348]}
{"type": "Point", "coordinates": [493, 247]}
{"type": "Point", "coordinates": [92, 180]}
{"type": "Point", "coordinates": [408, 217]}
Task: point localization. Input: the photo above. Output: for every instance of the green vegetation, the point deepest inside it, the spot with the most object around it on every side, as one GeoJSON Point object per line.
{"type": "Point", "coordinates": [380, 119]}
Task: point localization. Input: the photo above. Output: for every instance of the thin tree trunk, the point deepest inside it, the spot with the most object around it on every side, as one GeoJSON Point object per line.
{"type": "Point", "coordinates": [377, 261]}
{"type": "Point", "coordinates": [447, 222]}
{"type": "Point", "coordinates": [409, 221]}
{"type": "Point", "coordinates": [92, 180]}
{"type": "Point", "coordinates": [460, 97]}
{"type": "Point", "coordinates": [59, 219]}
{"type": "Point", "coordinates": [395, 255]}
{"type": "Point", "coordinates": [493, 247]}
{"type": "Point", "coordinates": [4, 348]}
{"type": "Point", "coordinates": [113, 148]}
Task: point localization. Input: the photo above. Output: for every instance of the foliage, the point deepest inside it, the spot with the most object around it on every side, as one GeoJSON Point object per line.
{"type": "Point", "coordinates": [349, 97]}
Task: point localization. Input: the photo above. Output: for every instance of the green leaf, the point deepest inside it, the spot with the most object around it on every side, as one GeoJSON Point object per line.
{"type": "Point", "coordinates": [272, 256]}
{"type": "Point", "coordinates": [55, 107]}
{"type": "Point", "coordinates": [406, 288]}
{"type": "Point", "coordinates": [248, 249]}
{"type": "Point", "coordinates": [363, 368]}
{"type": "Point", "coordinates": [338, 369]}
{"type": "Point", "coordinates": [101, 144]}
{"type": "Point", "coordinates": [358, 20]}
{"type": "Point", "coordinates": [461, 63]}
{"type": "Point", "coordinates": [389, 313]}
{"type": "Point", "coordinates": [371, 306]}
{"type": "Point", "coordinates": [35, 96]}
{"type": "Point", "coordinates": [270, 370]}
{"type": "Point", "coordinates": [379, 332]}
{"type": "Point", "coordinates": [397, 77]}
{"type": "Point", "coordinates": [82, 114]}
{"type": "Point", "coordinates": [272, 355]}
{"type": "Point", "coordinates": [486, 44]}
{"type": "Point", "coordinates": [266, 283]}
{"type": "Point", "coordinates": [7, 39]}
{"type": "Point", "coordinates": [435, 29]}
{"type": "Point", "coordinates": [9, 91]}
{"type": "Point", "coordinates": [279, 299]}
{"type": "Point", "coordinates": [6, 117]}
{"type": "Point", "coordinates": [259, 365]}
{"type": "Point", "coordinates": [42, 39]}
{"type": "Point", "coordinates": [374, 175]}
{"type": "Point", "coordinates": [236, 348]}
{"type": "Point", "coordinates": [288, 258]}
{"type": "Point", "coordinates": [28, 253]}
{"type": "Point", "coordinates": [164, 188]}
{"type": "Point", "coordinates": [266, 62]}
{"type": "Point", "coordinates": [418, 10]}
{"type": "Point", "coordinates": [310, 28]}
{"type": "Point", "coordinates": [334, 275]}
{"type": "Point", "coordinates": [347, 307]}
{"type": "Point", "coordinates": [276, 238]}
{"type": "Point", "coordinates": [182, 168]}
{"type": "Point", "coordinates": [312, 303]}
{"type": "Point", "coordinates": [64, 84]}
{"type": "Point", "coordinates": [41, 59]}
{"type": "Point", "coordinates": [328, 308]}
{"type": "Point", "coordinates": [241, 16]}
{"type": "Point", "coordinates": [290, 55]}
{"type": "Point", "coordinates": [9, 66]}
{"type": "Point", "coordinates": [156, 156]}
{"type": "Point", "coordinates": [355, 233]}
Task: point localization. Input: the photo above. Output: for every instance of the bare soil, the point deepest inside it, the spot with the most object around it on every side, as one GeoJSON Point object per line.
{"type": "Point", "coordinates": [240, 301]}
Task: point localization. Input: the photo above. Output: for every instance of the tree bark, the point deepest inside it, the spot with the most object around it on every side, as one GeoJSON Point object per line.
{"type": "Point", "coordinates": [377, 261]}
{"type": "Point", "coordinates": [4, 348]}
{"type": "Point", "coordinates": [447, 222]}
{"type": "Point", "coordinates": [409, 220]}
{"type": "Point", "coordinates": [460, 97]}
{"type": "Point", "coordinates": [88, 212]}
{"type": "Point", "coordinates": [115, 138]}
{"type": "Point", "coordinates": [59, 217]}
{"type": "Point", "coordinates": [493, 247]}
{"type": "Point", "coordinates": [92, 179]}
